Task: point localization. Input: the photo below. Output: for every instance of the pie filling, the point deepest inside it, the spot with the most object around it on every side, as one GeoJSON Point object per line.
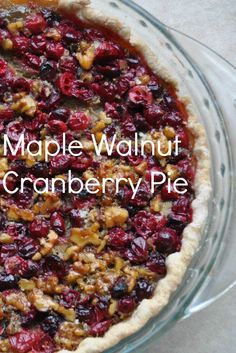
{"type": "Point", "coordinates": [74, 265]}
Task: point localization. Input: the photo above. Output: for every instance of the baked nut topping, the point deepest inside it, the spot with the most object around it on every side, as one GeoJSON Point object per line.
{"type": "Point", "coordinates": [74, 265]}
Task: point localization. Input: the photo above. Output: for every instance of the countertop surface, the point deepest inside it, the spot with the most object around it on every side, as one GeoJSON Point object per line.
{"type": "Point", "coordinates": [213, 22]}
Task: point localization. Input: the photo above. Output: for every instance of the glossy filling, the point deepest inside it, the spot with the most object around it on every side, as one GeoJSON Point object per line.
{"type": "Point", "coordinates": [74, 265]}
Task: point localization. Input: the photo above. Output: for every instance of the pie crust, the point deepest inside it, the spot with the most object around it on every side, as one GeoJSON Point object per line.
{"type": "Point", "coordinates": [177, 263]}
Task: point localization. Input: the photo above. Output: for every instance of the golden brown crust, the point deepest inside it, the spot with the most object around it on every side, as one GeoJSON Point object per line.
{"type": "Point", "coordinates": [177, 263]}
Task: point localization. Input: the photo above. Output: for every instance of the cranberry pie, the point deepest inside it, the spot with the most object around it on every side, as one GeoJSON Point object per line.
{"type": "Point", "coordinates": [80, 272]}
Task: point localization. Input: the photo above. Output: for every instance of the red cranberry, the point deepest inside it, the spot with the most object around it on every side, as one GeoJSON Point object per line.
{"type": "Point", "coordinates": [141, 123]}
{"type": "Point", "coordinates": [7, 250]}
{"type": "Point", "coordinates": [126, 305]}
{"type": "Point", "coordinates": [51, 324]}
{"type": "Point", "coordinates": [118, 238]}
{"type": "Point", "coordinates": [169, 194]}
{"type": "Point", "coordinates": [85, 314]}
{"type": "Point", "coordinates": [142, 196]}
{"type": "Point", "coordinates": [21, 44]}
{"type": "Point", "coordinates": [28, 248]}
{"type": "Point", "coordinates": [57, 223]}
{"type": "Point", "coordinates": [48, 70]}
{"type": "Point", "coordinates": [106, 90]}
{"type": "Point", "coordinates": [15, 265]}
{"type": "Point", "coordinates": [145, 223]}
{"type": "Point", "coordinates": [79, 121]}
{"type": "Point", "coordinates": [21, 84]}
{"type": "Point", "coordinates": [166, 240]}
{"type": "Point", "coordinates": [183, 137]}
{"type": "Point", "coordinates": [60, 163]}
{"type": "Point", "coordinates": [187, 169]}
{"type": "Point", "coordinates": [140, 95]}
{"type": "Point", "coordinates": [31, 340]}
{"type": "Point", "coordinates": [75, 218]}
{"type": "Point", "coordinates": [119, 289]}
{"type": "Point", "coordinates": [157, 178]}
{"type": "Point", "coordinates": [40, 170]}
{"type": "Point", "coordinates": [156, 264]}
{"type": "Point", "coordinates": [143, 289]}
{"type": "Point", "coordinates": [57, 126]}
{"type": "Point", "coordinates": [39, 228]}
{"type": "Point", "coordinates": [38, 44]}
{"type": "Point", "coordinates": [172, 119]}
{"type": "Point", "coordinates": [24, 199]}
{"type": "Point", "coordinates": [62, 113]}
{"type": "Point", "coordinates": [153, 114]}
{"type": "Point", "coordinates": [65, 83]}
{"type": "Point", "coordinates": [127, 127]}
{"type": "Point", "coordinates": [98, 329]}
{"type": "Point", "coordinates": [69, 33]}
{"type": "Point", "coordinates": [3, 67]}
{"type": "Point", "coordinates": [107, 50]}
{"type": "Point", "coordinates": [8, 282]}
{"type": "Point", "coordinates": [68, 64]}
{"type": "Point", "coordinates": [135, 160]}
{"type": "Point", "coordinates": [54, 264]}
{"type": "Point", "coordinates": [33, 61]}
{"type": "Point", "coordinates": [70, 298]}
{"type": "Point", "coordinates": [6, 114]}
{"type": "Point", "coordinates": [54, 50]}
{"type": "Point", "coordinates": [139, 252]}
{"type": "Point", "coordinates": [14, 130]}
{"type": "Point", "coordinates": [35, 24]}
{"type": "Point", "coordinates": [113, 110]}
{"type": "Point", "coordinates": [82, 162]}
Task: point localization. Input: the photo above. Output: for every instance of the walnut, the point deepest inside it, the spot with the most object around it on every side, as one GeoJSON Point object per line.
{"type": "Point", "coordinates": [3, 167]}
{"type": "Point", "coordinates": [69, 335]}
{"type": "Point", "coordinates": [26, 105]}
{"type": "Point", "coordinates": [41, 301]}
{"type": "Point", "coordinates": [7, 44]}
{"type": "Point", "coordinates": [18, 300]}
{"type": "Point", "coordinates": [169, 132]}
{"type": "Point", "coordinates": [15, 214]}
{"type": "Point", "coordinates": [83, 237]}
{"type": "Point", "coordinates": [5, 346]}
{"type": "Point", "coordinates": [14, 27]}
{"type": "Point", "coordinates": [5, 238]}
{"type": "Point", "coordinates": [87, 58]}
{"type": "Point", "coordinates": [26, 284]}
{"type": "Point", "coordinates": [53, 34]}
{"type": "Point", "coordinates": [172, 171]}
{"type": "Point", "coordinates": [141, 168]}
{"type": "Point", "coordinates": [115, 216]}
{"type": "Point", "coordinates": [49, 285]}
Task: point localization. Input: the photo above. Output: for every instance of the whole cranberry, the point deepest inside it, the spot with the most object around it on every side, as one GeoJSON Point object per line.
{"type": "Point", "coordinates": [54, 50]}
{"type": "Point", "coordinates": [107, 50]}
{"type": "Point", "coordinates": [51, 324]}
{"type": "Point", "coordinates": [106, 90]}
{"type": "Point", "coordinates": [48, 70]}
{"type": "Point", "coordinates": [139, 251]}
{"type": "Point", "coordinates": [39, 228]}
{"type": "Point", "coordinates": [119, 289]}
{"type": "Point", "coordinates": [60, 163]}
{"type": "Point", "coordinates": [54, 264]}
{"type": "Point", "coordinates": [35, 24]}
{"type": "Point", "coordinates": [155, 174]}
{"type": "Point", "coordinates": [14, 130]}
{"type": "Point", "coordinates": [156, 263]}
{"type": "Point", "coordinates": [143, 289]}
{"type": "Point", "coordinates": [79, 121]}
{"type": "Point", "coordinates": [57, 127]}
{"type": "Point", "coordinates": [183, 137]}
{"type": "Point", "coordinates": [21, 44]}
{"type": "Point", "coordinates": [85, 314]}
{"type": "Point", "coordinates": [126, 305]}
{"type": "Point", "coordinates": [140, 95]}
{"type": "Point", "coordinates": [98, 329]}
{"type": "Point", "coordinates": [127, 126]}
{"type": "Point", "coordinates": [24, 199]}
{"type": "Point", "coordinates": [82, 162]}
{"type": "Point", "coordinates": [169, 194]}
{"type": "Point", "coordinates": [62, 113]}
{"type": "Point", "coordinates": [75, 218]}
{"type": "Point", "coordinates": [7, 250]}
{"type": "Point", "coordinates": [166, 241]}
{"type": "Point", "coordinates": [15, 265]}
{"type": "Point", "coordinates": [68, 64]}
{"type": "Point", "coordinates": [65, 83]}
{"type": "Point", "coordinates": [153, 114]}
{"type": "Point", "coordinates": [57, 223]}
{"type": "Point", "coordinates": [28, 248]}
{"type": "Point", "coordinates": [118, 238]}
{"type": "Point", "coordinates": [70, 298]}
{"type": "Point", "coordinates": [142, 197]}
{"type": "Point", "coordinates": [33, 61]}
{"type": "Point", "coordinates": [145, 223]}
{"type": "Point", "coordinates": [38, 44]}
{"type": "Point", "coordinates": [187, 170]}
{"type": "Point", "coordinates": [21, 84]}
{"type": "Point", "coordinates": [172, 119]}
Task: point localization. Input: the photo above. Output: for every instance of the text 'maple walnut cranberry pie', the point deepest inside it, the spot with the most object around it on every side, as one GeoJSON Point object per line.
{"type": "Point", "coordinates": [82, 272]}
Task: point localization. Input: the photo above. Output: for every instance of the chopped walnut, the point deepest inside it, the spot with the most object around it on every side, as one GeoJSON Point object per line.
{"type": "Point", "coordinates": [115, 216]}
{"type": "Point", "coordinates": [69, 335]}
{"type": "Point", "coordinates": [18, 300]}
{"type": "Point", "coordinates": [26, 105]}
{"type": "Point", "coordinates": [86, 59]}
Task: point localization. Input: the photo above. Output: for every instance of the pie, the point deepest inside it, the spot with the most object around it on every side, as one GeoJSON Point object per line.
{"type": "Point", "coordinates": [80, 272]}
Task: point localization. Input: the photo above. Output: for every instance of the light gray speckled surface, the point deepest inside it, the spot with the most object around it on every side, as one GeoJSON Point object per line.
{"type": "Point", "coordinates": [213, 22]}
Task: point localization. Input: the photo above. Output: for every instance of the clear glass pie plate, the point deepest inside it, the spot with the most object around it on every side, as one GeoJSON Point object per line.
{"type": "Point", "coordinates": [211, 83]}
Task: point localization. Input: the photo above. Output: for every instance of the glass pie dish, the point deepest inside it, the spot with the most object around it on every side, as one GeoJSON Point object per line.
{"type": "Point", "coordinates": [211, 83]}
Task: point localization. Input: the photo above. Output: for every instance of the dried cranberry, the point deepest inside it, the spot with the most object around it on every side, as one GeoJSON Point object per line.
{"type": "Point", "coordinates": [40, 170]}
{"type": "Point", "coordinates": [127, 126]}
{"type": "Point", "coordinates": [172, 119]}
{"type": "Point", "coordinates": [24, 199]}
{"type": "Point", "coordinates": [107, 50]}
{"type": "Point", "coordinates": [138, 252]}
{"type": "Point", "coordinates": [38, 44]}
{"type": "Point", "coordinates": [187, 170]}
{"type": "Point", "coordinates": [6, 114]}
{"type": "Point", "coordinates": [62, 113]}
{"type": "Point", "coordinates": [118, 238]}
{"type": "Point", "coordinates": [68, 64]}
{"type": "Point", "coordinates": [21, 84]}
{"type": "Point", "coordinates": [98, 329]}
{"type": "Point", "coordinates": [39, 228]}
{"type": "Point", "coordinates": [79, 121]}
{"type": "Point", "coordinates": [15, 265]}
{"type": "Point", "coordinates": [48, 70]}
{"type": "Point", "coordinates": [156, 263]}
{"type": "Point", "coordinates": [35, 24]}
{"type": "Point", "coordinates": [142, 196]}
{"type": "Point", "coordinates": [155, 174]}
{"type": "Point", "coordinates": [166, 240]}
{"type": "Point", "coordinates": [153, 114]}
{"type": "Point", "coordinates": [32, 340]}
{"type": "Point", "coordinates": [14, 130]}
{"type": "Point", "coordinates": [140, 95]}
{"type": "Point", "coordinates": [70, 298]}
{"type": "Point", "coordinates": [119, 289]}
{"type": "Point", "coordinates": [134, 160]}
{"type": "Point", "coordinates": [82, 162]}
{"type": "Point", "coordinates": [51, 324]}
{"type": "Point", "coordinates": [54, 264]}
{"type": "Point", "coordinates": [60, 163]}
{"type": "Point", "coordinates": [57, 126]}
{"type": "Point", "coordinates": [143, 289]}
{"type": "Point", "coordinates": [145, 223]}
{"type": "Point", "coordinates": [183, 138]}
{"type": "Point", "coordinates": [7, 250]}
{"type": "Point", "coordinates": [169, 194]}
{"type": "Point", "coordinates": [54, 50]}
{"type": "Point", "coordinates": [32, 60]}
{"type": "Point", "coordinates": [75, 218]}
{"type": "Point", "coordinates": [21, 44]}
{"type": "Point", "coordinates": [3, 67]}
{"type": "Point", "coordinates": [28, 248]}
{"type": "Point", "coordinates": [65, 83]}
{"type": "Point", "coordinates": [106, 90]}
{"type": "Point", "coordinates": [8, 282]}
{"type": "Point", "coordinates": [69, 33]}
{"type": "Point", "coordinates": [141, 123]}
{"type": "Point", "coordinates": [85, 314]}
{"type": "Point", "coordinates": [126, 305]}
{"type": "Point", "coordinates": [57, 223]}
